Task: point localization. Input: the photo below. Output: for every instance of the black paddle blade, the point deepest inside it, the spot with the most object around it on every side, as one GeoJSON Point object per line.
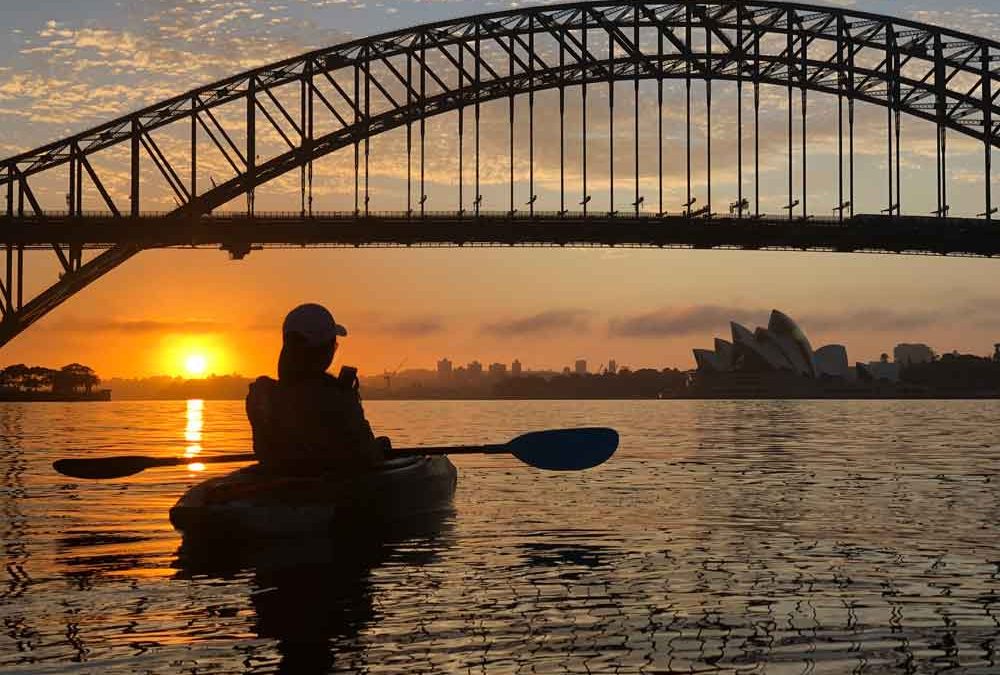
{"type": "Point", "coordinates": [106, 467]}
{"type": "Point", "coordinates": [565, 449]}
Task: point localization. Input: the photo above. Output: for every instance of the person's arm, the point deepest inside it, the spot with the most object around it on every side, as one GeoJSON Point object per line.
{"type": "Point", "coordinates": [260, 413]}
{"type": "Point", "coordinates": [351, 436]}
{"type": "Point", "coordinates": [370, 450]}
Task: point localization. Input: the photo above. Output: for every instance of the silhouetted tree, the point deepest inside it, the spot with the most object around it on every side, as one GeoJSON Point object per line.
{"type": "Point", "coordinates": [72, 378]}
{"type": "Point", "coordinates": [960, 372]}
{"type": "Point", "coordinates": [15, 376]}
{"type": "Point", "coordinates": [643, 383]}
{"type": "Point", "coordinates": [76, 376]}
{"type": "Point", "coordinates": [38, 377]}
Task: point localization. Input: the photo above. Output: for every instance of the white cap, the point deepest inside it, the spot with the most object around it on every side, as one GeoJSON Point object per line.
{"type": "Point", "coordinates": [314, 322]}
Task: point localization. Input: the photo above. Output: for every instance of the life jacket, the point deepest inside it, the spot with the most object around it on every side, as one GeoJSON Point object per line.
{"type": "Point", "coordinates": [311, 424]}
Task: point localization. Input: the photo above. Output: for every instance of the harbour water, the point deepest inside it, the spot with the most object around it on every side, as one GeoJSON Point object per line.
{"type": "Point", "coordinates": [725, 536]}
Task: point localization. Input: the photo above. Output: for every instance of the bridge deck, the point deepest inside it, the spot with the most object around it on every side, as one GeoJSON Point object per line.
{"type": "Point", "coordinates": [239, 232]}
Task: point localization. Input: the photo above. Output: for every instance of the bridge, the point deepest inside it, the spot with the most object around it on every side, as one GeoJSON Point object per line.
{"type": "Point", "coordinates": [82, 198]}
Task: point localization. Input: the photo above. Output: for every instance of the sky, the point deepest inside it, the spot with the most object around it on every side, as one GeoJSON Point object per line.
{"type": "Point", "coordinates": [67, 66]}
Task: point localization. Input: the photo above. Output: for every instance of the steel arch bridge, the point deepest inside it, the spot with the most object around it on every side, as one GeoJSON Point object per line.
{"type": "Point", "coordinates": [346, 95]}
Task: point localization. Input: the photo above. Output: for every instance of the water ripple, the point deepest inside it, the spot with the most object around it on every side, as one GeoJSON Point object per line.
{"type": "Point", "coordinates": [726, 536]}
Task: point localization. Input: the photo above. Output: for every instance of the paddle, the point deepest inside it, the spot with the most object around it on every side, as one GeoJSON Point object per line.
{"type": "Point", "coordinates": [553, 450]}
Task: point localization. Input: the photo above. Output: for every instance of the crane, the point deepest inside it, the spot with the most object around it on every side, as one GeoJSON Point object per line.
{"type": "Point", "coordinates": [388, 376]}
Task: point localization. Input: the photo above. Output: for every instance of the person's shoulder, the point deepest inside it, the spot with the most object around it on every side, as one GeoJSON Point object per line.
{"type": "Point", "coordinates": [262, 385]}
{"type": "Point", "coordinates": [260, 395]}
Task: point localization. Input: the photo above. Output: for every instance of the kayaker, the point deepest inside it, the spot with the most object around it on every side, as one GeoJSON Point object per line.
{"type": "Point", "coordinates": [308, 421]}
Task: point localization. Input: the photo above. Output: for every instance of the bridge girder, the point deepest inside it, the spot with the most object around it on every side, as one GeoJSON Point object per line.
{"type": "Point", "coordinates": [372, 85]}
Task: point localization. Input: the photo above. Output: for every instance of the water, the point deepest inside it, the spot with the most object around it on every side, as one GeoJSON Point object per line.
{"type": "Point", "coordinates": [754, 537]}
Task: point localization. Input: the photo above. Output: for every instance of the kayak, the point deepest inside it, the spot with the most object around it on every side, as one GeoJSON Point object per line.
{"type": "Point", "coordinates": [251, 503]}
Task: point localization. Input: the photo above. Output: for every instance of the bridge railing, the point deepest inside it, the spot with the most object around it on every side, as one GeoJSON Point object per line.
{"type": "Point", "coordinates": [520, 215]}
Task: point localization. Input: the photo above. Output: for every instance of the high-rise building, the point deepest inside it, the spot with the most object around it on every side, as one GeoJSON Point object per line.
{"type": "Point", "coordinates": [515, 368]}
{"type": "Point", "coordinates": [498, 370]}
{"type": "Point", "coordinates": [474, 369]}
{"type": "Point", "coordinates": [580, 368]}
{"type": "Point", "coordinates": [612, 367]}
{"type": "Point", "coordinates": [444, 369]}
{"type": "Point", "coordinates": [908, 354]}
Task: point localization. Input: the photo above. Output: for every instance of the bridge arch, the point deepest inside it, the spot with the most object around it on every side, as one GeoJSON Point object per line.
{"type": "Point", "coordinates": [372, 85]}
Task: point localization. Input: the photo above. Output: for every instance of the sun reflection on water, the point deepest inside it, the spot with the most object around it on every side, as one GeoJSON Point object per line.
{"type": "Point", "coordinates": [192, 432]}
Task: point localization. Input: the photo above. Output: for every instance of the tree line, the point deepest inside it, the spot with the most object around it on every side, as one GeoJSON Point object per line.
{"type": "Point", "coordinates": [72, 378]}
{"type": "Point", "coordinates": [642, 383]}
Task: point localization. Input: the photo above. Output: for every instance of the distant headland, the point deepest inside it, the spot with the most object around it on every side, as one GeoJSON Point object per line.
{"type": "Point", "coordinates": [73, 382]}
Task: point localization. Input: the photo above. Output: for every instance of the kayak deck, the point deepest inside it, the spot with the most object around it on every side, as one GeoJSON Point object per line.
{"type": "Point", "coordinates": [251, 502]}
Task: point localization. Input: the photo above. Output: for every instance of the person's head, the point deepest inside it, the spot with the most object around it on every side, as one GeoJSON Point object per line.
{"type": "Point", "coordinates": [309, 341]}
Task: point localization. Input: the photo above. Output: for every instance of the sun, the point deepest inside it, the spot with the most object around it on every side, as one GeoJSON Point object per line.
{"type": "Point", "coordinates": [195, 364]}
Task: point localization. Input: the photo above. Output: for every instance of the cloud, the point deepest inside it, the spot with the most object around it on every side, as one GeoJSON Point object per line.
{"type": "Point", "coordinates": [413, 327]}
{"type": "Point", "coordinates": [977, 312]}
{"type": "Point", "coordinates": [676, 321]}
{"type": "Point", "coordinates": [79, 74]}
{"type": "Point", "coordinates": [872, 319]}
{"type": "Point", "coordinates": [548, 322]}
{"type": "Point", "coordinates": [138, 326]}
{"type": "Point", "coordinates": [670, 322]}
{"type": "Point", "coordinates": [69, 75]}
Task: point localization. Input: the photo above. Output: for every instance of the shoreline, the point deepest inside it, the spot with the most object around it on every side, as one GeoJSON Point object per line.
{"type": "Point", "coordinates": [103, 395]}
{"type": "Point", "coordinates": [936, 396]}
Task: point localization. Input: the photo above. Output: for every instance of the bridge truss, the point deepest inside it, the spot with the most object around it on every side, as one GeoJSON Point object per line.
{"type": "Point", "coordinates": [344, 96]}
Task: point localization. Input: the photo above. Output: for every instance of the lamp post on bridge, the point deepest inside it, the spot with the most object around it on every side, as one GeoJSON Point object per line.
{"type": "Point", "coordinates": [637, 204]}
{"type": "Point", "coordinates": [839, 210]}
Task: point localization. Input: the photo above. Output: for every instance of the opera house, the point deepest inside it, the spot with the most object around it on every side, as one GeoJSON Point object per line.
{"type": "Point", "coordinates": [767, 361]}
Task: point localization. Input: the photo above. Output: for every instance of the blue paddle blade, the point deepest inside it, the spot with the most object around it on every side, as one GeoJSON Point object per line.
{"type": "Point", "coordinates": [565, 449]}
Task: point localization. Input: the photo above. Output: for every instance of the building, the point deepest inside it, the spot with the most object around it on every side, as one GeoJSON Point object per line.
{"type": "Point", "coordinates": [580, 367]}
{"type": "Point", "coordinates": [781, 347]}
{"type": "Point", "coordinates": [474, 369]}
{"type": "Point", "coordinates": [612, 367]}
{"type": "Point", "coordinates": [498, 370]}
{"type": "Point", "coordinates": [831, 361]}
{"type": "Point", "coordinates": [883, 370]}
{"type": "Point", "coordinates": [908, 354]}
{"type": "Point", "coordinates": [515, 368]}
{"type": "Point", "coordinates": [444, 369]}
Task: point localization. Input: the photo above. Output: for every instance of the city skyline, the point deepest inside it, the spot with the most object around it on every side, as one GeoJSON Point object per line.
{"type": "Point", "coordinates": [900, 353]}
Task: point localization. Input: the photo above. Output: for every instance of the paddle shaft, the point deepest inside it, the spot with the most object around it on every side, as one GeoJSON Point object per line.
{"type": "Point", "coordinates": [493, 449]}
{"type": "Point", "coordinates": [555, 449]}
{"type": "Point", "coordinates": [119, 467]}
{"type": "Point", "coordinates": [401, 452]}
{"type": "Point", "coordinates": [451, 450]}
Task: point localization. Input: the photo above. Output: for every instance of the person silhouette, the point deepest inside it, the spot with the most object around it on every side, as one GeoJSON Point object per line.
{"type": "Point", "coordinates": [307, 421]}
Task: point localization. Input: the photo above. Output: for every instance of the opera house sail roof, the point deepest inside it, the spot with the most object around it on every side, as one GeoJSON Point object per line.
{"type": "Point", "coordinates": [782, 346]}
